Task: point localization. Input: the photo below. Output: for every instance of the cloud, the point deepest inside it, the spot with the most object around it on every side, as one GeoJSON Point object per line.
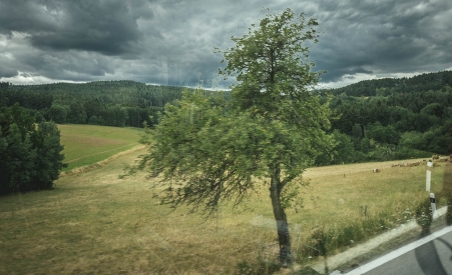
{"type": "Point", "coordinates": [383, 37]}
{"type": "Point", "coordinates": [105, 27]}
{"type": "Point", "coordinates": [171, 41]}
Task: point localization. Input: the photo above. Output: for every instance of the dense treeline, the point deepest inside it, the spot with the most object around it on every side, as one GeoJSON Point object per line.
{"type": "Point", "coordinates": [389, 86]}
{"type": "Point", "coordinates": [374, 120]}
{"type": "Point", "coordinates": [111, 103]}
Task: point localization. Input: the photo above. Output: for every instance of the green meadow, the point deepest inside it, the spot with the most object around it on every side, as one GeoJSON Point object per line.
{"type": "Point", "coordinates": [88, 144]}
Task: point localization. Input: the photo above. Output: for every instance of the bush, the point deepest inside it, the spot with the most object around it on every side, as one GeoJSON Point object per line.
{"type": "Point", "coordinates": [424, 215]}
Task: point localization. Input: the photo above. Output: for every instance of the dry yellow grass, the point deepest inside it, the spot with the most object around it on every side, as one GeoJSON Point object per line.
{"type": "Point", "coordinates": [96, 223]}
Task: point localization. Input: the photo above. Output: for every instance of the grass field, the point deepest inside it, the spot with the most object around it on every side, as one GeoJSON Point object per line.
{"type": "Point", "coordinates": [88, 144]}
{"type": "Point", "coordinates": [96, 223]}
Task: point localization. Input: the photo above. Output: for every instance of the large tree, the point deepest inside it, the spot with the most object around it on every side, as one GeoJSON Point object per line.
{"type": "Point", "coordinates": [209, 149]}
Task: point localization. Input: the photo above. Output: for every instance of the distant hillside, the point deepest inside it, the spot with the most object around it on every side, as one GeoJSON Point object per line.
{"type": "Point", "coordinates": [111, 103]}
{"type": "Point", "coordinates": [372, 120]}
{"type": "Point", "coordinates": [388, 86]}
{"type": "Point", "coordinates": [388, 118]}
{"type": "Point", "coordinates": [124, 92]}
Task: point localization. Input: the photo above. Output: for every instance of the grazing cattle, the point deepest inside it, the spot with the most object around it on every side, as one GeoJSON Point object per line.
{"type": "Point", "coordinates": [376, 170]}
{"type": "Point", "coordinates": [435, 157]}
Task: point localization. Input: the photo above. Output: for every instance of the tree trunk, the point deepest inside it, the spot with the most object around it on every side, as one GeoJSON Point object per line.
{"type": "Point", "coordinates": [285, 256]}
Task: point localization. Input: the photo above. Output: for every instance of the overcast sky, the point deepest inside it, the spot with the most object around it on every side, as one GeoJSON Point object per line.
{"type": "Point", "coordinates": [171, 42]}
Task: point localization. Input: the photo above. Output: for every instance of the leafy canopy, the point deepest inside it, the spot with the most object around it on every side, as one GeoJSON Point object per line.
{"type": "Point", "coordinates": [209, 149]}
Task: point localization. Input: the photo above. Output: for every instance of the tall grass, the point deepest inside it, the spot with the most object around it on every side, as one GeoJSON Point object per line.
{"type": "Point", "coordinates": [360, 204]}
{"type": "Point", "coordinates": [96, 223]}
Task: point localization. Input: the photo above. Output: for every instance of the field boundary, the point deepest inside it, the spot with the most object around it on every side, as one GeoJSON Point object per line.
{"type": "Point", "coordinates": [72, 160]}
{"type": "Point", "coordinates": [101, 163]}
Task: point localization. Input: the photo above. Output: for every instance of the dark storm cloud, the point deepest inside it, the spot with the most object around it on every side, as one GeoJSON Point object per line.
{"type": "Point", "coordinates": [106, 27]}
{"type": "Point", "coordinates": [7, 72]}
{"type": "Point", "coordinates": [171, 41]}
{"type": "Point", "coordinates": [24, 16]}
{"type": "Point", "coordinates": [383, 37]}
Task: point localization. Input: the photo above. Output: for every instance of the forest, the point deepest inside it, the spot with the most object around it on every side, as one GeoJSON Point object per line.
{"type": "Point", "coordinates": [373, 120]}
{"type": "Point", "coordinates": [109, 103]}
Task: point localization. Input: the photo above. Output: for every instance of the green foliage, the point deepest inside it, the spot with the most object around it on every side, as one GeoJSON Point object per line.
{"type": "Point", "coordinates": [384, 134]}
{"type": "Point", "coordinates": [390, 119]}
{"type": "Point", "coordinates": [434, 109]}
{"type": "Point", "coordinates": [290, 196]}
{"type": "Point", "coordinates": [421, 103]}
{"type": "Point", "coordinates": [343, 151]}
{"type": "Point", "coordinates": [58, 113]}
{"type": "Point", "coordinates": [48, 161]}
{"type": "Point", "coordinates": [415, 84]}
{"type": "Point", "coordinates": [414, 140]}
{"type": "Point", "coordinates": [206, 153]}
{"type": "Point", "coordinates": [271, 63]}
{"type": "Point", "coordinates": [209, 150]}
{"type": "Point", "coordinates": [424, 215]}
{"type": "Point", "coordinates": [17, 161]}
{"type": "Point", "coordinates": [328, 238]}
{"type": "Point", "coordinates": [357, 132]}
{"type": "Point", "coordinates": [95, 120]}
{"type": "Point", "coordinates": [408, 153]}
{"type": "Point", "coordinates": [367, 145]}
{"type": "Point", "coordinates": [31, 153]}
{"type": "Point", "coordinates": [76, 113]}
{"type": "Point", "coordinates": [36, 100]}
{"type": "Point", "coordinates": [447, 113]}
{"type": "Point", "coordinates": [257, 268]}
{"type": "Point", "coordinates": [114, 116]}
{"type": "Point", "coordinates": [95, 102]}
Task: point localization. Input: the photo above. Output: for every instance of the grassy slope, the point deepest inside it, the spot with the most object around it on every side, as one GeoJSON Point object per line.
{"type": "Point", "coordinates": [95, 223]}
{"type": "Point", "coordinates": [88, 144]}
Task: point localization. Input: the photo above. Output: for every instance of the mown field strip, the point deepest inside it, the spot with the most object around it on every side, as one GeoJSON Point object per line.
{"type": "Point", "coordinates": [103, 152]}
{"type": "Point", "coordinates": [85, 145]}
